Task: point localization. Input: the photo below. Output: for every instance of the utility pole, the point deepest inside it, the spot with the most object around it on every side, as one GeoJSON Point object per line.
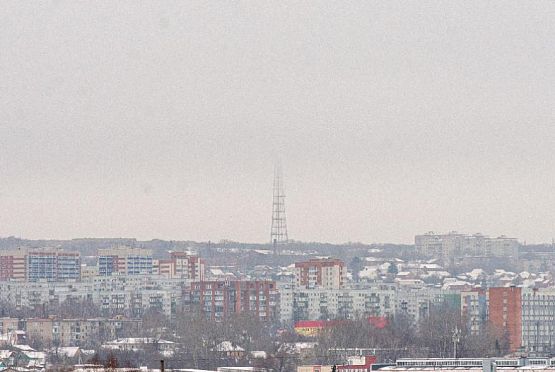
{"type": "Point", "coordinates": [456, 339]}
{"type": "Point", "coordinates": [162, 365]}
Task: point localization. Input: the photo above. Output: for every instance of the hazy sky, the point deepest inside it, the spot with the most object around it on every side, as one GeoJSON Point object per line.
{"type": "Point", "coordinates": [164, 119]}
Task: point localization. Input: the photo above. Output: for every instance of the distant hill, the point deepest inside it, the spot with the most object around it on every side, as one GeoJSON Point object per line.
{"type": "Point", "coordinates": [89, 246]}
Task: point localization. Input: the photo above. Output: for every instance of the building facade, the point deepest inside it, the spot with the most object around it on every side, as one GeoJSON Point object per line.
{"type": "Point", "coordinates": [505, 313]}
{"type": "Point", "coordinates": [474, 309]}
{"type": "Point", "coordinates": [374, 300]}
{"type": "Point", "coordinates": [53, 266]}
{"type": "Point", "coordinates": [125, 261]}
{"type": "Point", "coordinates": [538, 320]}
{"type": "Point", "coordinates": [12, 265]}
{"type": "Point", "coordinates": [449, 247]}
{"type": "Point", "coordinates": [219, 300]}
{"type": "Point", "coordinates": [320, 273]}
{"type": "Point", "coordinates": [128, 295]}
{"type": "Point", "coordinates": [8, 325]}
{"type": "Point", "coordinates": [181, 265]}
{"type": "Point", "coordinates": [79, 332]}
{"type": "Point", "coordinates": [40, 265]}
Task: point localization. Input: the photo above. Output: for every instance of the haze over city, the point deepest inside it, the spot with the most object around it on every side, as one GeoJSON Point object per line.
{"type": "Point", "coordinates": [390, 119]}
{"type": "Point", "coordinates": [277, 186]}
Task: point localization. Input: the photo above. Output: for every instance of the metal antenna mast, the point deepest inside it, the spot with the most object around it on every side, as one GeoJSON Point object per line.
{"type": "Point", "coordinates": [279, 222]}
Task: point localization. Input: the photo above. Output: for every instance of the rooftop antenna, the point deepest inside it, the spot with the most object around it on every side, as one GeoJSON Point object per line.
{"type": "Point", "coordinates": [279, 222]}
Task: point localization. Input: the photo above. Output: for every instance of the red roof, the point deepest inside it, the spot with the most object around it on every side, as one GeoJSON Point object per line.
{"type": "Point", "coordinates": [317, 323]}
{"type": "Point", "coordinates": [310, 324]}
{"type": "Point", "coordinates": [378, 321]}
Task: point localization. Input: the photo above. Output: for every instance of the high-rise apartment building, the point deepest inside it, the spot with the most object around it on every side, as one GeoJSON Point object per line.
{"type": "Point", "coordinates": [474, 309]}
{"type": "Point", "coordinates": [12, 265]}
{"type": "Point", "coordinates": [53, 266]}
{"type": "Point", "coordinates": [188, 266]}
{"type": "Point", "coordinates": [525, 315]}
{"type": "Point", "coordinates": [448, 247]}
{"type": "Point", "coordinates": [320, 273]}
{"type": "Point", "coordinates": [377, 300]}
{"type": "Point", "coordinates": [40, 264]}
{"type": "Point", "coordinates": [125, 261]}
{"type": "Point", "coordinates": [538, 320]}
{"type": "Point", "coordinates": [505, 313]}
{"type": "Point", "coordinates": [180, 265]}
{"type": "Point", "coordinates": [69, 266]}
{"type": "Point", "coordinates": [219, 300]}
{"type": "Point", "coordinates": [314, 304]}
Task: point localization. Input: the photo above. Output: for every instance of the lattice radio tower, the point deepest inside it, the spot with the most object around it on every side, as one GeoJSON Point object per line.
{"type": "Point", "coordinates": [279, 222]}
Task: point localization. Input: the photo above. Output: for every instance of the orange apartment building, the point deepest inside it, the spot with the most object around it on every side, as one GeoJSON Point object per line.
{"type": "Point", "coordinates": [326, 273]}
{"type": "Point", "coordinates": [505, 312]}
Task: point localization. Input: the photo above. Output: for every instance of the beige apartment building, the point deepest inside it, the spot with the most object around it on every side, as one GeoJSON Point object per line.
{"type": "Point", "coordinates": [8, 324]}
{"type": "Point", "coordinates": [79, 332]}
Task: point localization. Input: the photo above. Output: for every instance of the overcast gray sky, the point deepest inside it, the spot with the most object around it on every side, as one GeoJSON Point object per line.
{"type": "Point", "coordinates": [164, 119]}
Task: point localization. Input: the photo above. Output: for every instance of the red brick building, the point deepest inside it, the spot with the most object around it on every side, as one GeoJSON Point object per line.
{"type": "Point", "coordinates": [505, 313]}
{"type": "Point", "coordinates": [13, 265]}
{"type": "Point", "coordinates": [219, 300]}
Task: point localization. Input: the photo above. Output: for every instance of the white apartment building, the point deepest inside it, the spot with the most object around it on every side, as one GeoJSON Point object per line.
{"type": "Point", "coordinates": [538, 319]}
{"type": "Point", "coordinates": [448, 247]}
{"type": "Point", "coordinates": [130, 295]}
{"type": "Point", "coordinates": [382, 300]}
{"type": "Point", "coordinates": [416, 301]}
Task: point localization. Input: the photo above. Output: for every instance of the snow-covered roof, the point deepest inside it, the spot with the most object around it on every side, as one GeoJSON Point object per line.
{"type": "Point", "coordinates": [259, 354]}
{"type": "Point", "coordinates": [297, 347]}
{"type": "Point", "coordinates": [24, 347]}
{"type": "Point", "coordinates": [216, 271]}
{"type": "Point", "coordinates": [456, 284]}
{"type": "Point", "coordinates": [69, 351]}
{"type": "Point", "coordinates": [368, 272]}
{"type": "Point", "coordinates": [35, 354]}
{"type": "Point", "coordinates": [372, 259]}
{"type": "Point", "coordinates": [408, 281]}
{"type": "Point", "coordinates": [475, 274]}
{"type": "Point", "coordinates": [5, 354]}
{"type": "Point", "coordinates": [138, 340]}
{"type": "Point", "coordinates": [438, 274]}
{"type": "Point", "coordinates": [263, 251]}
{"type": "Point", "coordinates": [525, 275]}
{"type": "Point", "coordinates": [226, 346]}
